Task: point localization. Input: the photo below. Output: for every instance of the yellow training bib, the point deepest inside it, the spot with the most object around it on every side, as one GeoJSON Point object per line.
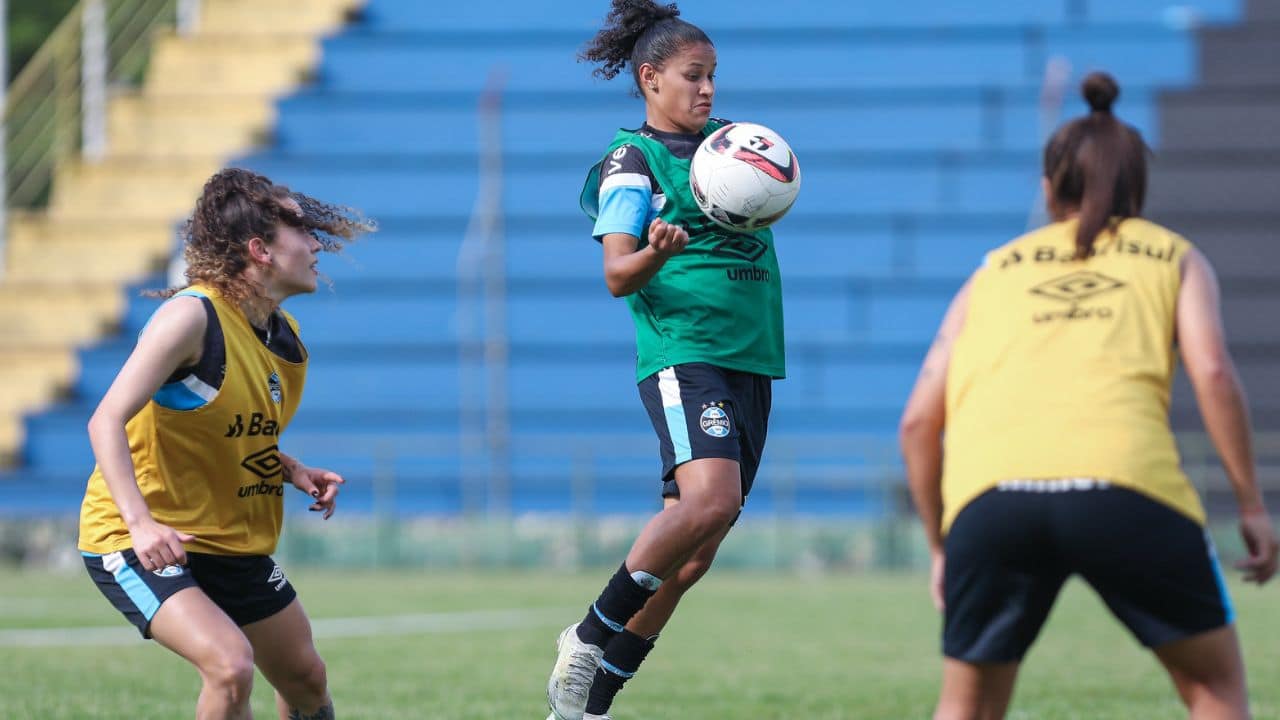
{"type": "Point", "coordinates": [213, 471]}
{"type": "Point", "coordinates": [1063, 368]}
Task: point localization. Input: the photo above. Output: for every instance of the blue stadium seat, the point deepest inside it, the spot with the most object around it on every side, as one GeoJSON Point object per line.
{"type": "Point", "coordinates": [420, 122]}
{"type": "Point", "coordinates": [584, 15]}
{"type": "Point", "coordinates": [921, 183]}
{"type": "Point", "coordinates": [918, 128]}
{"type": "Point", "coordinates": [375, 61]}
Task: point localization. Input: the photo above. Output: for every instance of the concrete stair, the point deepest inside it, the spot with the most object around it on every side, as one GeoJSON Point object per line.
{"type": "Point", "coordinates": [1214, 179]}
{"type": "Point", "coordinates": [207, 97]}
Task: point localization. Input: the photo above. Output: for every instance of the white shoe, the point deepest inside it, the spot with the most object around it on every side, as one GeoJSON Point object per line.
{"type": "Point", "coordinates": [572, 676]}
{"type": "Point", "coordinates": [587, 716]}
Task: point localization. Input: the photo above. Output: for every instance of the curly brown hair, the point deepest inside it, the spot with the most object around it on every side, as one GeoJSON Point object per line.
{"type": "Point", "coordinates": [238, 204]}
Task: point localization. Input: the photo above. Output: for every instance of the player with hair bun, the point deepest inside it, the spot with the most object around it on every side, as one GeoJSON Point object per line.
{"type": "Point", "coordinates": [707, 308]}
{"type": "Point", "coordinates": [1037, 438]}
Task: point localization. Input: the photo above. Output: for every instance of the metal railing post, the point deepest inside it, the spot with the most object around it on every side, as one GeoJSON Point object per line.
{"type": "Point", "coordinates": [4, 134]}
{"type": "Point", "coordinates": [93, 96]}
{"type": "Point", "coordinates": [188, 21]}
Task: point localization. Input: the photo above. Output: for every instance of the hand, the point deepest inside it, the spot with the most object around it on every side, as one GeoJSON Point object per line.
{"type": "Point", "coordinates": [667, 239]}
{"type": "Point", "coordinates": [158, 546]}
{"type": "Point", "coordinates": [319, 483]}
{"type": "Point", "coordinates": [1260, 540]}
{"type": "Point", "coordinates": [937, 572]}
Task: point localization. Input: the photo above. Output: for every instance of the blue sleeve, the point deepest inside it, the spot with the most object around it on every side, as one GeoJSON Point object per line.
{"type": "Point", "coordinates": [623, 209]}
{"type": "Point", "coordinates": [626, 194]}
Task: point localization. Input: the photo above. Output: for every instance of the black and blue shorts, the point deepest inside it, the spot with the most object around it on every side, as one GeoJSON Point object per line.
{"type": "Point", "coordinates": [1010, 550]}
{"type": "Point", "coordinates": [248, 588]}
{"type": "Point", "coordinates": [705, 411]}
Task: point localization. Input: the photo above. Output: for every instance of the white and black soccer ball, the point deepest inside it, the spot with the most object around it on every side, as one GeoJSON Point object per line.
{"type": "Point", "coordinates": [744, 177]}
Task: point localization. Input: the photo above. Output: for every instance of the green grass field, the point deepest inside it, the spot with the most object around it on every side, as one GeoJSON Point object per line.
{"type": "Point", "coordinates": [742, 646]}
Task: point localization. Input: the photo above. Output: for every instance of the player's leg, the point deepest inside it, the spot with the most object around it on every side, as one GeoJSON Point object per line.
{"type": "Point", "coordinates": [717, 420]}
{"type": "Point", "coordinates": [254, 592]}
{"type": "Point", "coordinates": [689, 410]}
{"type": "Point", "coordinates": [285, 652]}
{"type": "Point", "coordinates": [1208, 672]}
{"type": "Point", "coordinates": [191, 625]}
{"type": "Point", "coordinates": [657, 612]}
{"type": "Point", "coordinates": [709, 487]}
{"type": "Point", "coordinates": [629, 648]}
{"type": "Point", "coordinates": [975, 691]}
{"type": "Point", "coordinates": [710, 499]}
{"type": "Point", "coordinates": [751, 399]}
{"type": "Point", "coordinates": [1002, 577]}
{"type": "Point", "coordinates": [1157, 571]}
{"type": "Point", "coordinates": [168, 606]}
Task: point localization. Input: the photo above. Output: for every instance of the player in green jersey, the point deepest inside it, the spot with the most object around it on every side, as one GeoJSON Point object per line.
{"type": "Point", "coordinates": [707, 307]}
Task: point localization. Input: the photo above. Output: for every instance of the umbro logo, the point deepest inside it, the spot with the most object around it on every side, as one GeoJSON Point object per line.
{"type": "Point", "coordinates": [1077, 286]}
{"type": "Point", "coordinates": [277, 577]}
{"type": "Point", "coordinates": [1075, 289]}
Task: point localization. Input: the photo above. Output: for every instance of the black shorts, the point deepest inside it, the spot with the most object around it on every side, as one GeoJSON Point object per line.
{"type": "Point", "coordinates": [704, 411]}
{"type": "Point", "coordinates": [248, 588]}
{"type": "Point", "coordinates": [1010, 550]}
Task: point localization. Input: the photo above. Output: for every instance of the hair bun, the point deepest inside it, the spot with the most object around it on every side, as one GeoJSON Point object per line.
{"type": "Point", "coordinates": [1100, 91]}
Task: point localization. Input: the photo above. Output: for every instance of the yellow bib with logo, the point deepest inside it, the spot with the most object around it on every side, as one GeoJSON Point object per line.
{"type": "Point", "coordinates": [1064, 368]}
{"type": "Point", "coordinates": [213, 471]}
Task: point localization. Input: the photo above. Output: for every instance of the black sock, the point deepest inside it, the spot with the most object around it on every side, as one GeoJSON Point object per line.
{"type": "Point", "coordinates": [621, 599]}
{"type": "Point", "coordinates": [622, 659]}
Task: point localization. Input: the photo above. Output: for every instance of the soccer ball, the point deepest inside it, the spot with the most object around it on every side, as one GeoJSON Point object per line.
{"type": "Point", "coordinates": [744, 177]}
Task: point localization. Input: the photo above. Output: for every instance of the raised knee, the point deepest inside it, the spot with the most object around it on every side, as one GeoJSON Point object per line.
{"type": "Point", "coordinates": [715, 515]}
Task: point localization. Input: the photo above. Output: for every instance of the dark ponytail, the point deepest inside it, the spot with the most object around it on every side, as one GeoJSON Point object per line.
{"type": "Point", "coordinates": [637, 32]}
{"type": "Point", "coordinates": [1097, 165]}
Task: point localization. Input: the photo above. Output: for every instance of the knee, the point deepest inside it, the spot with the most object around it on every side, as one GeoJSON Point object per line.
{"type": "Point", "coordinates": [231, 674]}
{"type": "Point", "coordinates": [714, 515]}
{"type": "Point", "coordinates": [310, 677]}
{"type": "Point", "coordinates": [316, 677]}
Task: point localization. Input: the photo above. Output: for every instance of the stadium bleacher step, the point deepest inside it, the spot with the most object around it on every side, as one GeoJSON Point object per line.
{"type": "Point", "coordinates": [119, 188]}
{"type": "Point", "coordinates": [915, 163]}
{"type": "Point", "coordinates": [1239, 55]}
{"type": "Point", "coordinates": [1265, 10]}
{"type": "Point", "coordinates": [1221, 118]}
{"type": "Point", "coordinates": [179, 124]}
{"type": "Point", "coordinates": [205, 64]}
{"type": "Point", "coordinates": [70, 251]}
{"type": "Point", "coordinates": [109, 223]}
{"type": "Point", "coordinates": [41, 315]}
{"type": "Point", "coordinates": [271, 17]}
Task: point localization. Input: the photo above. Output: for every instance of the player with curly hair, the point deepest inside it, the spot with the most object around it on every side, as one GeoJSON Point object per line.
{"type": "Point", "coordinates": [185, 506]}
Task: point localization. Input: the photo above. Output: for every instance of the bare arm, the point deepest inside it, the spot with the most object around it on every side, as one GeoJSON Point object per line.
{"type": "Point", "coordinates": [1221, 398]}
{"type": "Point", "coordinates": [173, 339]}
{"type": "Point", "coordinates": [627, 269]}
{"type": "Point", "coordinates": [920, 432]}
{"type": "Point", "coordinates": [1213, 375]}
